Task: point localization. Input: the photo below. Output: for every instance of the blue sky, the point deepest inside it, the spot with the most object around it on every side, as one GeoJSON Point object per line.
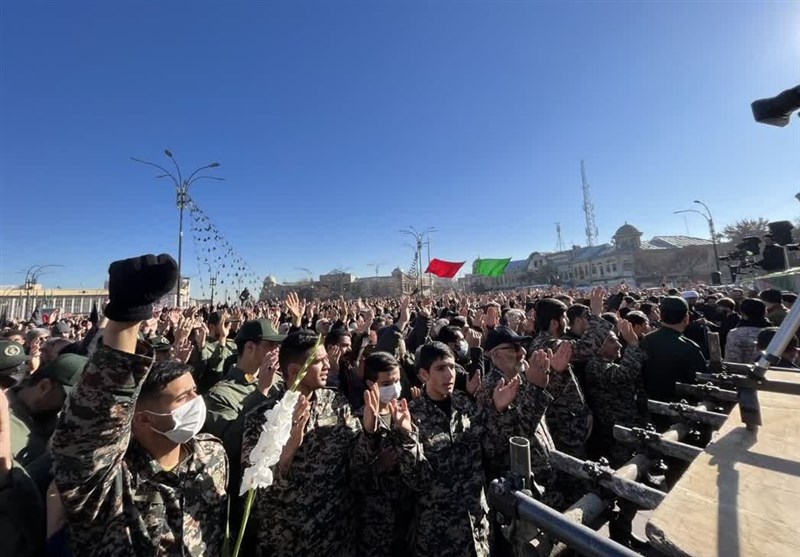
{"type": "Point", "coordinates": [337, 123]}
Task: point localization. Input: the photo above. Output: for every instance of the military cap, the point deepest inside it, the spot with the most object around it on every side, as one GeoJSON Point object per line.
{"type": "Point", "coordinates": [11, 355]}
{"type": "Point", "coordinates": [258, 329]}
{"type": "Point", "coordinates": [674, 303]}
{"type": "Point", "coordinates": [65, 370]}
{"type": "Point", "coordinates": [160, 343]}
{"type": "Point", "coordinates": [503, 335]}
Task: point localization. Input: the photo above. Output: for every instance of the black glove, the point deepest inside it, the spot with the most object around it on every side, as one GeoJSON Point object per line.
{"type": "Point", "coordinates": [135, 284]}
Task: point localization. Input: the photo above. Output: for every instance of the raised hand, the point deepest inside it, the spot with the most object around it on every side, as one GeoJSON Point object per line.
{"type": "Point", "coordinates": [474, 383]}
{"type": "Point", "coordinates": [473, 338]}
{"type": "Point", "coordinates": [626, 330]}
{"type": "Point", "coordinates": [183, 330]}
{"type": "Point", "coordinates": [183, 350]}
{"type": "Point", "coordinates": [559, 361]}
{"type": "Point", "coordinates": [538, 368]}
{"type": "Point", "coordinates": [401, 415]}
{"type": "Point", "coordinates": [302, 412]}
{"type": "Point", "coordinates": [372, 401]}
{"type": "Point", "coordinates": [492, 317]}
{"type": "Point", "coordinates": [266, 371]}
{"type": "Point", "coordinates": [416, 392]}
{"type": "Point", "coordinates": [596, 300]}
{"type": "Point", "coordinates": [505, 393]}
{"type": "Point", "coordinates": [296, 308]}
{"type": "Point", "coordinates": [334, 356]}
{"type": "Point", "coordinates": [200, 336]}
{"type": "Point", "coordinates": [135, 284]}
{"type": "Point", "coordinates": [224, 328]}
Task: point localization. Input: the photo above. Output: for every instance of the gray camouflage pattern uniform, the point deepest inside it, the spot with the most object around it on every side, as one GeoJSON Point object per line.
{"type": "Point", "coordinates": [385, 502]}
{"type": "Point", "coordinates": [310, 509]}
{"type": "Point", "coordinates": [452, 513]}
{"type": "Point", "coordinates": [118, 500]}
{"type": "Point", "coordinates": [568, 416]}
{"type": "Point", "coordinates": [541, 441]}
{"type": "Point", "coordinates": [614, 392]}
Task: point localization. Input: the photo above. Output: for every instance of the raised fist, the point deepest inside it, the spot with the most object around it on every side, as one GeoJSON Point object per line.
{"type": "Point", "coordinates": [136, 283]}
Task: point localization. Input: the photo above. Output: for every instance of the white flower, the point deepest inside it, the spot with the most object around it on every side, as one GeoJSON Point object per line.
{"type": "Point", "coordinates": [267, 452]}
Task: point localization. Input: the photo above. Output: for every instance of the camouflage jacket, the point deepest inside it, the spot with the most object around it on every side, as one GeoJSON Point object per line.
{"type": "Point", "coordinates": [452, 510]}
{"type": "Point", "coordinates": [568, 416]}
{"type": "Point", "coordinates": [541, 442]}
{"type": "Point", "coordinates": [385, 502]}
{"type": "Point", "coordinates": [311, 506]}
{"type": "Point", "coordinates": [615, 391]}
{"type": "Point", "coordinates": [118, 500]}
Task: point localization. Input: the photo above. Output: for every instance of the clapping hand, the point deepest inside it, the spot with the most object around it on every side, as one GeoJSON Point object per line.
{"type": "Point", "coordinates": [372, 402]}
{"type": "Point", "coordinates": [401, 416]}
{"type": "Point", "coordinates": [538, 368]}
{"type": "Point", "coordinates": [474, 383]}
{"type": "Point", "coordinates": [560, 360]}
{"type": "Point", "coordinates": [505, 393]}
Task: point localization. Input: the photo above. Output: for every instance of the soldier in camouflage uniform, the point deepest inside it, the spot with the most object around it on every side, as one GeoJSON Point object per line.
{"type": "Point", "coordinates": [568, 417]}
{"type": "Point", "coordinates": [508, 357]}
{"type": "Point", "coordinates": [614, 392]}
{"type": "Point", "coordinates": [309, 507]}
{"type": "Point", "coordinates": [135, 478]}
{"type": "Point", "coordinates": [385, 503]}
{"type": "Point", "coordinates": [458, 436]}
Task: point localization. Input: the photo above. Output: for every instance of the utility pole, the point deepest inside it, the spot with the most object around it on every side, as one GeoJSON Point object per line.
{"type": "Point", "coordinates": [182, 190]}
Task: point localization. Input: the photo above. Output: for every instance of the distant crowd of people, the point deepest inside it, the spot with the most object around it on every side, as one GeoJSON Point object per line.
{"type": "Point", "coordinates": [127, 433]}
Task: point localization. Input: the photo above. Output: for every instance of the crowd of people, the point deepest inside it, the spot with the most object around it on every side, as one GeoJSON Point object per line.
{"type": "Point", "coordinates": [127, 433]}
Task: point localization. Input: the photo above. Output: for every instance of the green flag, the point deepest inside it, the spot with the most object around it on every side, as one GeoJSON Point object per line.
{"type": "Point", "coordinates": [491, 267]}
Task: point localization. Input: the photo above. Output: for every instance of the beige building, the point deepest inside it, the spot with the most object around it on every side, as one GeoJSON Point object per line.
{"type": "Point", "coordinates": [339, 283]}
{"type": "Point", "coordinates": [19, 303]}
{"type": "Point", "coordinates": [676, 259]}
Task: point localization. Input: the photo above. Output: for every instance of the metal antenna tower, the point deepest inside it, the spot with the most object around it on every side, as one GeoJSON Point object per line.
{"type": "Point", "coordinates": [560, 242]}
{"type": "Point", "coordinates": [588, 210]}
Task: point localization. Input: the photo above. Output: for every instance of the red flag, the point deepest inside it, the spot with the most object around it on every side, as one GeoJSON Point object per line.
{"type": "Point", "coordinates": [444, 269]}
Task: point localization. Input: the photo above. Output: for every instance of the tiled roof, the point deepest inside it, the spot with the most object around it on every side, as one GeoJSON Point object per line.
{"type": "Point", "coordinates": [590, 252]}
{"type": "Point", "coordinates": [518, 265]}
{"type": "Point", "coordinates": [672, 242]}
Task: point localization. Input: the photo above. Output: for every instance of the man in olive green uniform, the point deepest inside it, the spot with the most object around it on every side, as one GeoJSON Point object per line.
{"type": "Point", "coordinates": [224, 402]}
{"type": "Point", "coordinates": [162, 348]}
{"type": "Point", "coordinates": [22, 515]}
{"type": "Point", "coordinates": [208, 360]}
{"type": "Point", "coordinates": [671, 357]}
{"type": "Point", "coordinates": [34, 409]}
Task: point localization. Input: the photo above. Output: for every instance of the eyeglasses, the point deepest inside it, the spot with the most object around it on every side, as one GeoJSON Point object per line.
{"type": "Point", "coordinates": [515, 348]}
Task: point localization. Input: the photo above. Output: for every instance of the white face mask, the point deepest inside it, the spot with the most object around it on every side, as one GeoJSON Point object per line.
{"type": "Point", "coordinates": [189, 419]}
{"type": "Point", "coordinates": [390, 392]}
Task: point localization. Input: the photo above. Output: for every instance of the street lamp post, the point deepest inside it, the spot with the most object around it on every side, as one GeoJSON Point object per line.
{"type": "Point", "coordinates": [420, 238]}
{"type": "Point", "coordinates": [31, 280]}
{"type": "Point", "coordinates": [182, 190]}
{"type": "Point", "coordinates": [710, 221]}
{"type": "Point", "coordinates": [213, 282]}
